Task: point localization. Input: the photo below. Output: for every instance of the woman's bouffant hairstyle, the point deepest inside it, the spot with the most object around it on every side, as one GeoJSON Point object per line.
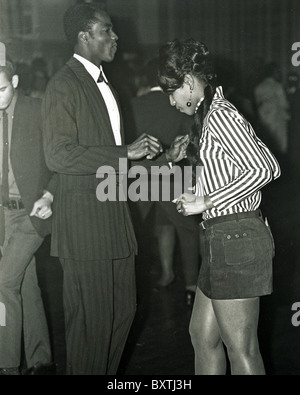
{"type": "Point", "coordinates": [176, 59]}
{"type": "Point", "coordinates": [80, 18]}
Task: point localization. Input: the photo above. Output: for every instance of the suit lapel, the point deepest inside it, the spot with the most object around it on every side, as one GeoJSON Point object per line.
{"type": "Point", "coordinates": [94, 98]}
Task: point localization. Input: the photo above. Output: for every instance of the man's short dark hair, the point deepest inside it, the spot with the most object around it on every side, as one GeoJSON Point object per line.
{"type": "Point", "coordinates": [9, 69]}
{"type": "Point", "coordinates": [80, 18]}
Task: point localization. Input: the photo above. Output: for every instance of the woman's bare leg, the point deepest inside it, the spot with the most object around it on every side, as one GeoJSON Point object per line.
{"type": "Point", "coordinates": [238, 321]}
{"type": "Point", "coordinates": [209, 351]}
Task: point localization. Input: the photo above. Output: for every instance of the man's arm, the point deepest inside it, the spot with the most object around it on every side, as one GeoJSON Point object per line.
{"type": "Point", "coordinates": [64, 152]}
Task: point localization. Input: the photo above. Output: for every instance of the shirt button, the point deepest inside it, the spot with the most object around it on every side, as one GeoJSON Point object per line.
{"type": "Point", "coordinates": [244, 234]}
{"type": "Point", "coordinates": [237, 235]}
{"type": "Point", "coordinates": [228, 237]}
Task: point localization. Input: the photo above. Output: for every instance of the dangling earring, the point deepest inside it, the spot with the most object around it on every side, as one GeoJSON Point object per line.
{"type": "Point", "coordinates": [189, 103]}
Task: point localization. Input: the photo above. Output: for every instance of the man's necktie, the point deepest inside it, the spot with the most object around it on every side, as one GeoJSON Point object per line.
{"type": "Point", "coordinates": [100, 78]}
{"type": "Point", "coordinates": [5, 186]}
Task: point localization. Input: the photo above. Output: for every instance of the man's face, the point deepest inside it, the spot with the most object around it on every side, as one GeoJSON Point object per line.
{"type": "Point", "coordinates": [102, 43]}
{"type": "Point", "coordinates": [7, 91]}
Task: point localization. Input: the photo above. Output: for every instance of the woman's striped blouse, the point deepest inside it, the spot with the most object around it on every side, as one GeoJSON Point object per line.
{"type": "Point", "coordinates": [236, 163]}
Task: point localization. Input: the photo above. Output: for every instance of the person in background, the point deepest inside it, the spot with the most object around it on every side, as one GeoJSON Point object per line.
{"type": "Point", "coordinates": [293, 96]}
{"type": "Point", "coordinates": [94, 239]}
{"type": "Point", "coordinates": [24, 223]}
{"type": "Point", "coordinates": [153, 113]}
{"type": "Point", "coordinates": [273, 112]}
{"type": "Point", "coordinates": [237, 245]}
{"type": "Point", "coordinates": [39, 77]}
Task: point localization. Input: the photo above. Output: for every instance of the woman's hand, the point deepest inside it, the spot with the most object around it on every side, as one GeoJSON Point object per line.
{"type": "Point", "coordinates": [190, 204]}
{"type": "Point", "coordinates": [177, 150]}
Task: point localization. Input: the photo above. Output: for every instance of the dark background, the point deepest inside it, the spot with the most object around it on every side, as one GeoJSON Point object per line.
{"type": "Point", "coordinates": [243, 34]}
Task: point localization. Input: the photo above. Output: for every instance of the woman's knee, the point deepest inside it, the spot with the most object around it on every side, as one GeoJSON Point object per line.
{"type": "Point", "coordinates": [203, 337]}
{"type": "Point", "coordinates": [243, 348]}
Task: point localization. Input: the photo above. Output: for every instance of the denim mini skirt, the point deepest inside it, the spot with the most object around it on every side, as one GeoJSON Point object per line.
{"type": "Point", "coordinates": [237, 257]}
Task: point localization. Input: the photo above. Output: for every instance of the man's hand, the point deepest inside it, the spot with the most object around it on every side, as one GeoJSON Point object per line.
{"type": "Point", "coordinates": [144, 146]}
{"type": "Point", "coordinates": [42, 207]}
{"type": "Point", "coordinates": [176, 152]}
{"type": "Point", "coordinates": [190, 204]}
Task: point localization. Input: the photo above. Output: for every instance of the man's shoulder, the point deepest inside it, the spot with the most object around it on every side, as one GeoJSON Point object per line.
{"type": "Point", "coordinates": [68, 76]}
{"type": "Point", "coordinates": [64, 72]}
{"type": "Point", "coordinates": [28, 102]}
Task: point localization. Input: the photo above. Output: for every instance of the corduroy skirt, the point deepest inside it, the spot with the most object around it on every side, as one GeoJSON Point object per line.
{"type": "Point", "coordinates": [237, 256]}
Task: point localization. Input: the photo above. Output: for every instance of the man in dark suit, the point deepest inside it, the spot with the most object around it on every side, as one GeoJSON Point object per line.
{"type": "Point", "coordinates": [93, 239]}
{"type": "Point", "coordinates": [24, 223]}
{"type": "Point", "coordinates": [168, 225]}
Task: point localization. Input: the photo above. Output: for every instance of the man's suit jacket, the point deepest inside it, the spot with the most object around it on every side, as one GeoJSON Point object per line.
{"type": "Point", "coordinates": [27, 157]}
{"type": "Point", "coordinates": [78, 139]}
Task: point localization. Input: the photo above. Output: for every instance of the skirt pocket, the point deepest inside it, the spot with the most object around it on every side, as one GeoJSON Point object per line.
{"type": "Point", "coordinates": [238, 249]}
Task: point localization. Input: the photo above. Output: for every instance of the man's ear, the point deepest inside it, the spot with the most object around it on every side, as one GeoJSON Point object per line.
{"type": "Point", "coordinates": [83, 36]}
{"type": "Point", "coordinates": [15, 81]}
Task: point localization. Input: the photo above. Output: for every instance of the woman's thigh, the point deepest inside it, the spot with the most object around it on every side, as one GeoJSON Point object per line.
{"type": "Point", "coordinates": [204, 326]}
{"type": "Point", "coordinates": [238, 321]}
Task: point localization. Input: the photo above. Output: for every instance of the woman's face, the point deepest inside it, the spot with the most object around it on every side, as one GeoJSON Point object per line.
{"type": "Point", "coordinates": [192, 91]}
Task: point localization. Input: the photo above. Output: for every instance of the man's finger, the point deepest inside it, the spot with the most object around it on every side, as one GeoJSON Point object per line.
{"type": "Point", "coordinates": [155, 139]}
{"type": "Point", "coordinates": [153, 148]}
{"type": "Point", "coordinates": [35, 210]}
{"type": "Point", "coordinates": [151, 154]}
{"type": "Point", "coordinates": [155, 144]}
{"type": "Point", "coordinates": [44, 214]}
{"type": "Point", "coordinates": [182, 139]}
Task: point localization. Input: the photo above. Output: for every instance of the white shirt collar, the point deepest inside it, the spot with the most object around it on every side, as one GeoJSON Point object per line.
{"type": "Point", "coordinates": [90, 67]}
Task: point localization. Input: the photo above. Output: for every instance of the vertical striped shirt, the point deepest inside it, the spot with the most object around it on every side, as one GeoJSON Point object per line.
{"type": "Point", "coordinates": [236, 163]}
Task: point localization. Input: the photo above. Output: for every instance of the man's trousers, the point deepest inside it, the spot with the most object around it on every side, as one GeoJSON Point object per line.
{"type": "Point", "coordinates": [20, 295]}
{"type": "Point", "coordinates": [99, 306]}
